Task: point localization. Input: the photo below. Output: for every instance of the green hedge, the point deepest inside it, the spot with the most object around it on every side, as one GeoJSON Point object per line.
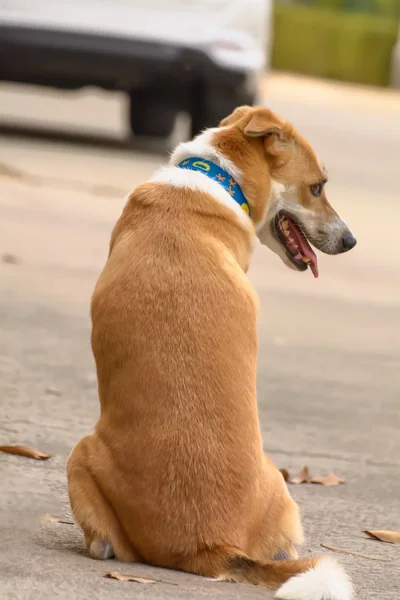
{"type": "Point", "coordinates": [383, 8]}
{"type": "Point", "coordinates": [339, 45]}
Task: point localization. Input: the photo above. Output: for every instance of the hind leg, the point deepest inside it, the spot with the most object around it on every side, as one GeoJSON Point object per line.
{"type": "Point", "coordinates": [280, 528]}
{"type": "Point", "coordinates": [104, 535]}
{"type": "Point", "coordinates": [290, 530]}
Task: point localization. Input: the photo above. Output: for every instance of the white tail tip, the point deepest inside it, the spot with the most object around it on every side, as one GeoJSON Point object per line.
{"type": "Point", "coordinates": [326, 581]}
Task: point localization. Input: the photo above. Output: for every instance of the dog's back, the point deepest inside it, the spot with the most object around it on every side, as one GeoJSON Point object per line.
{"type": "Point", "coordinates": [171, 304]}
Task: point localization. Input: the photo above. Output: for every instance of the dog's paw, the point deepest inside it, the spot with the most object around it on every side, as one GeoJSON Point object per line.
{"type": "Point", "coordinates": [101, 549]}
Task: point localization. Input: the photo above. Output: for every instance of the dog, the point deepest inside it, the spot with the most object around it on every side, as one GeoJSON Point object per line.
{"type": "Point", "coordinates": [175, 474]}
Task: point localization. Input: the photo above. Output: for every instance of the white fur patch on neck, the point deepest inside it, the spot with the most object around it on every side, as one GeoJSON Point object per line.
{"type": "Point", "coordinates": [194, 180]}
{"type": "Point", "coordinates": [326, 581]}
{"type": "Point", "coordinates": [202, 146]}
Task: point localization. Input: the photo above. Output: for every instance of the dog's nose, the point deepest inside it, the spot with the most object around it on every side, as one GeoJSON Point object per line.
{"type": "Point", "coordinates": [348, 241]}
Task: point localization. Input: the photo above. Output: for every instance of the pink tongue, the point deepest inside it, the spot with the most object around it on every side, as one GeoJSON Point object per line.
{"type": "Point", "coordinates": [306, 250]}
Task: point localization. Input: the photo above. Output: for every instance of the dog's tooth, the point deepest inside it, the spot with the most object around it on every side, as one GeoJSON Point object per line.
{"type": "Point", "coordinates": [306, 259]}
{"type": "Point", "coordinates": [291, 240]}
{"type": "Point", "coordinates": [285, 224]}
{"type": "Point", "coordinates": [286, 232]}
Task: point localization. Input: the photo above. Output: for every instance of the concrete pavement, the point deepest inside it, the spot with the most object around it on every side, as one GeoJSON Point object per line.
{"type": "Point", "coordinates": [329, 372]}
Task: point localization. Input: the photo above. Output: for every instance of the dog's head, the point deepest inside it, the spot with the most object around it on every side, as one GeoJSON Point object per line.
{"type": "Point", "coordinates": [285, 185]}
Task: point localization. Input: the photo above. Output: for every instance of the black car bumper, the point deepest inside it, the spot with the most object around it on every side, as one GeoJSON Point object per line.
{"type": "Point", "coordinates": [71, 60]}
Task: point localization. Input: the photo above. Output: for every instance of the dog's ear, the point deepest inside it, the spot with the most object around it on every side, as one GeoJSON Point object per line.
{"type": "Point", "coordinates": [237, 115]}
{"type": "Point", "coordinates": [276, 133]}
{"type": "Point", "coordinates": [263, 123]}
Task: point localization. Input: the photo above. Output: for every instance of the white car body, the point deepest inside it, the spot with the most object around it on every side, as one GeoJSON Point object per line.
{"type": "Point", "coordinates": [234, 32]}
{"type": "Point", "coordinates": [235, 35]}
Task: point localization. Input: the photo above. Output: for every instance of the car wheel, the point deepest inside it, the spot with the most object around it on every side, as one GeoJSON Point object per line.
{"type": "Point", "coordinates": [211, 104]}
{"type": "Point", "coordinates": [150, 113]}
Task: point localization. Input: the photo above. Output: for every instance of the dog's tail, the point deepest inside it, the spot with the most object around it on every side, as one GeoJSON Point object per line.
{"type": "Point", "coordinates": [301, 579]}
{"type": "Point", "coordinates": [325, 579]}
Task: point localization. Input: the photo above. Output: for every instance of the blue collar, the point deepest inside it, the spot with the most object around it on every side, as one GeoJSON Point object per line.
{"type": "Point", "coordinates": [215, 172]}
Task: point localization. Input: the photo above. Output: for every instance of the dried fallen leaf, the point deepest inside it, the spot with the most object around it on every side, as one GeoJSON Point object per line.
{"type": "Point", "coordinates": [50, 519]}
{"type": "Point", "coordinates": [390, 537]}
{"type": "Point", "coordinates": [328, 481]}
{"type": "Point", "coordinates": [285, 474]}
{"type": "Point", "coordinates": [10, 259]}
{"type": "Point", "coordinates": [25, 451]}
{"type": "Point", "coordinates": [121, 577]}
{"type": "Point", "coordinates": [302, 477]}
{"type": "Point", "coordinates": [53, 391]}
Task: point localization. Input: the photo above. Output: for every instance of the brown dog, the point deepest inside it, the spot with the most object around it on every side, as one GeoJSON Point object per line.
{"type": "Point", "coordinates": [174, 474]}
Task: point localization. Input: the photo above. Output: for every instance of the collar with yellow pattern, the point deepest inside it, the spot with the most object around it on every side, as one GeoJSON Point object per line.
{"type": "Point", "coordinates": [215, 172]}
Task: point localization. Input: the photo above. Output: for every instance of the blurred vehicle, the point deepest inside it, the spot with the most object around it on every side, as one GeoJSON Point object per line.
{"type": "Point", "coordinates": [395, 68]}
{"type": "Point", "coordinates": [203, 57]}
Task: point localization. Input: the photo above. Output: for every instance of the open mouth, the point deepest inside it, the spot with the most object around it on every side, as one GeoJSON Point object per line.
{"type": "Point", "coordinates": [295, 243]}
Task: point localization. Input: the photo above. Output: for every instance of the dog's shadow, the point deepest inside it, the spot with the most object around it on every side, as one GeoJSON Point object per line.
{"type": "Point", "coordinates": [66, 538]}
{"type": "Point", "coordinates": [153, 146]}
{"type": "Point", "coordinates": [63, 536]}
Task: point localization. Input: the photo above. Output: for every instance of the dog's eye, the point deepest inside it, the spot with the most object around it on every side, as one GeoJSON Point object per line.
{"type": "Point", "coordinates": [316, 189]}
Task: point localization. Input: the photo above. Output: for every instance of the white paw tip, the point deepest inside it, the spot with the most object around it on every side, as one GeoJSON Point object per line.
{"type": "Point", "coordinates": [326, 581]}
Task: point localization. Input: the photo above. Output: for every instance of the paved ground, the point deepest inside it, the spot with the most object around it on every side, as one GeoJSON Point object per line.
{"type": "Point", "coordinates": [329, 375]}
